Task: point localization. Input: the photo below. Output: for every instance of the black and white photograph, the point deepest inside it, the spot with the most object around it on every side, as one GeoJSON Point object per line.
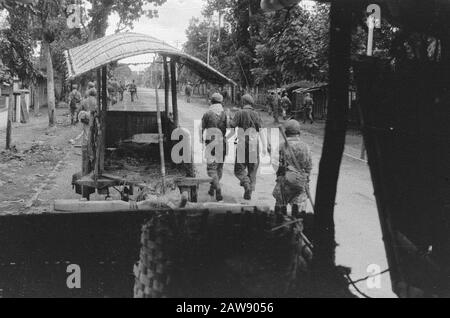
{"type": "Point", "coordinates": [225, 156]}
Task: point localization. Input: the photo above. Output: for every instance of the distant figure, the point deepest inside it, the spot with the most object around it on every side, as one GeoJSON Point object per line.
{"type": "Point", "coordinates": [239, 95]}
{"type": "Point", "coordinates": [74, 104]}
{"type": "Point", "coordinates": [122, 89]}
{"type": "Point", "coordinates": [274, 106]}
{"type": "Point", "coordinates": [188, 91]}
{"type": "Point", "coordinates": [293, 172]}
{"type": "Point", "coordinates": [308, 106]}
{"type": "Point", "coordinates": [250, 127]}
{"type": "Point", "coordinates": [113, 90]}
{"type": "Point", "coordinates": [286, 105]}
{"type": "Point", "coordinates": [224, 93]}
{"type": "Point", "coordinates": [133, 91]}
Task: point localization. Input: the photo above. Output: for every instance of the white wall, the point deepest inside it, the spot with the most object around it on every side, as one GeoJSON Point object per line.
{"type": "Point", "coordinates": [3, 117]}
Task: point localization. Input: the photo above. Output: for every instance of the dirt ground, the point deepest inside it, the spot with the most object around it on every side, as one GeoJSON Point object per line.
{"type": "Point", "coordinates": [36, 157]}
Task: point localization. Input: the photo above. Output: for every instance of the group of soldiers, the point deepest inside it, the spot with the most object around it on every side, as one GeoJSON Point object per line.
{"type": "Point", "coordinates": [79, 105]}
{"type": "Point", "coordinates": [115, 89]}
{"type": "Point", "coordinates": [294, 167]}
{"type": "Point", "coordinates": [279, 104]}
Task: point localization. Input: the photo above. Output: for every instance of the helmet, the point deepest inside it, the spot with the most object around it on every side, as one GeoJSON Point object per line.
{"type": "Point", "coordinates": [91, 85]}
{"type": "Point", "coordinates": [92, 92]}
{"type": "Point", "coordinates": [247, 99]}
{"type": "Point", "coordinates": [216, 98]}
{"type": "Point", "coordinates": [292, 128]}
{"type": "Point", "coordinates": [84, 117]}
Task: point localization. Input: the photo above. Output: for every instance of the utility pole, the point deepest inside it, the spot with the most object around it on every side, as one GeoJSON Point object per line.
{"type": "Point", "coordinates": [220, 26]}
{"type": "Point", "coordinates": [209, 47]}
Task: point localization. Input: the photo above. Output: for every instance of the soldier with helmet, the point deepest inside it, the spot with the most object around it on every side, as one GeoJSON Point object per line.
{"type": "Point", "coordinates": [214, 129]}
{"type": "Point", "coordinates": [295, 166]}
{"type": "Point", "coordinates": [74, 104]}
{"type": "Point", "coordinates": [308, 106]}
{"type": "Point", "coordinates": [250, 127]}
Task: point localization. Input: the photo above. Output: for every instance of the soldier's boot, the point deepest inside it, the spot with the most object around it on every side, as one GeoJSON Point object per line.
{"type": "Point", "coordinates": [212, 191]}
{"type": "Point", "coordinates": [247, 192]}
{"type": "Point", "coordinates": [219, 196]}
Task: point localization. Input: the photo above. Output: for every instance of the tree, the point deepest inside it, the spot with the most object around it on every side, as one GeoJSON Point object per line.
{"type": "Point", "coordinates": [16, 46]}
{"type": "Point", "coordinates": [127, 10]}
{"type": "Point", "coordinates": [266, 48]}
{"type": "Point", "coordinates": [49, 17]}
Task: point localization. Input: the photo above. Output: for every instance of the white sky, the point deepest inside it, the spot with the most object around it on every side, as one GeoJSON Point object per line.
{"type": "Point", "coordinates": [174, 18]}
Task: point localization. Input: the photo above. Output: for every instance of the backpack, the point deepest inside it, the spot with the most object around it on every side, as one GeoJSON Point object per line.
{"type": "Point", "coordinates": [74, 101]}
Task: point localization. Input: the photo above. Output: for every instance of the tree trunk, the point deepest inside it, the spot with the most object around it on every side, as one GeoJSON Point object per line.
{"type": "Point", "coordinates": [335, 134]}
{"type": "Point", "coordinates": [50, 85]}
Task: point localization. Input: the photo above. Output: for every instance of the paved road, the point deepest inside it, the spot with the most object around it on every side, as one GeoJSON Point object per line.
{"type": "Point", "coordinates": [358, 228]}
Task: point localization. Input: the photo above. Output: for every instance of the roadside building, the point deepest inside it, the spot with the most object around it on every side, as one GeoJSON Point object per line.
{"type": "Point", "coordinates": [320, 93]}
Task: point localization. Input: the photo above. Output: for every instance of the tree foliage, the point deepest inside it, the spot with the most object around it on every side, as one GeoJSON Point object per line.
{"type": "Point", "coordinates": [263, 48]}
{"type": "Point", "coordinates": [128, 12]}
{"type": "Point", "coordinates": [17, 46]}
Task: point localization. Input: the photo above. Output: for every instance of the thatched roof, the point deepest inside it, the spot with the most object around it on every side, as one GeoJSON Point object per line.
{"type": "Point", "coordinates": [104, 51]}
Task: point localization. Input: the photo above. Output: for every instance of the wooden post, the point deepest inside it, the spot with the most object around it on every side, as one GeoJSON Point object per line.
{"type": "Point", "coordinates": [17, 106]}
{"type": "Point", "coordinates": [335, 134]}
{"type": "Point", "coordinates": [166, 86]}
{"type": "Point", "coordinates": [99, 89]}
{"type": "Point", "coordinates": [371, 25]}
{"type": "Point", "coordinates": [97, 120]}
{"type": "Point", "coordinates": [104, 107]}
{"type": "Point", "coordinates": [161, 141]}
{"type": "Point", "coordinates": [8, 122]}
{"type": "Point", "coordinates": [173, 75]}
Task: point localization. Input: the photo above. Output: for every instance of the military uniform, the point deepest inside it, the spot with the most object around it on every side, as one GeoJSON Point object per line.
{"type": "Point", "coordinates": [89, 104]}
{"type": "Point", "coordinates": [308, 105]}
{"type": "Point", "coordinates": [216, 118]}
{"type": "Point", "coordinates": [247, 162]}
{"type": "Point", "coordinates": [188, 91]}
{"type": "Point", "coordinates": [133, 92]}
{"type": "Point", "coordinates": [89, 108]}
{"type": "Point", "coordinates": [74, 103]}
{"type": "Point", "coordinates": [121, 91]}
{"type": "Point", "coordinates": [113, 90]}
{"type": "Point", "coordinates": [292, 184]}
{"type": "Point", "coordinates": [286, 105]}
{"type": "Point", "coordinates": [274, 101]}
